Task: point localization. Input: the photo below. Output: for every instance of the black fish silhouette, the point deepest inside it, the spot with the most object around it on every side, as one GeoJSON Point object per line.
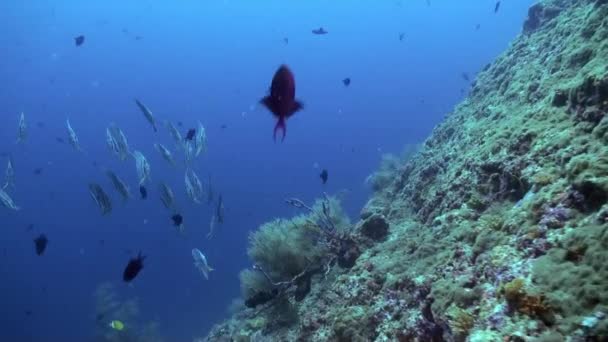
{"type": "Point", "coordinates": [177, 219]}
{"type": "Point", "coordinates": [324, 174]}
{"type": "Point", "coordinates": [191, 133]}
{"type": "Point", "coordinates": [79, 40]}
{"type": "Point", "coordinates": [134, 266]}
{"type": "Point", "coordinates": [41, 243]}
{"type": "Point", "coordinates": [143, 192]}
{"type": "Point", "coordinates": [319, 31]}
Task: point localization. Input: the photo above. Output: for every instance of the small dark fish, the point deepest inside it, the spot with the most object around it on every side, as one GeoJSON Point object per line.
{"type": "Point", "coordinates": [401, 36]}
{"type": "Point", "coordinates": [319, 31]}
{"type": "Point", "coordinates": [139, 37]}
{"type": "Point", "coordinates": [99, 317]}
{"type": "Point", "coordinates": [281, 101]}
{"type": "Point", "coordinates": [60, 140]}
{"type": "Point", "coordinates": [28, 312]}
{"type": "Point", "coordinates": [29, 227]}
{"type": "Point", "coordinates": [190, 135]}
{"type": "Point", "coordinates": [177, 220]}
{"type": "Point", "coordinates": [324, 176]}
{"type": "Point", "coordinates": [102, 242]}
{"type": "Point", "coordinates": [428, 3]}
{"type": "Point", "coordinates": [143, 192]}
{"type": "Point", "coordinates": [180, 124]}
{"type": "Point", "coordinates": [219, 211]}
{"type": "Point", "coordinates": [40, 243]}
{"type": "Point", "coordinates": [134, 266]}
{"type": "Point", "coordinates": [38, 171]}
{"type": "Point", "coordinates": [125, 30]}
{"type": "Point", "coordinates": [346, 81]}
{"type": "Point", "coordinates": [224, 126]}
{"type": "Point", "coordinates": [465, 76]}
{"type": "Point", "coordinates": [497, 7]}
{"type": "Point", "coordinates": [40, 124]}
{"type": "Point", "coordinates": [79, 40]}
{"type": "Point", "coordinates": [286, 40]}
{"type": "Point", "coordinates": [477, 27]}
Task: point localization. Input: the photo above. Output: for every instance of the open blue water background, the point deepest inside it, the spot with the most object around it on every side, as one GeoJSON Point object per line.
{"type": "Point", "coordinates": [209, 61]}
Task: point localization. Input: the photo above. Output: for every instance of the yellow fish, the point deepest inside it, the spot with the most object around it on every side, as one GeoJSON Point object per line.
{"type": "Point", "coordinates": [117, 325]}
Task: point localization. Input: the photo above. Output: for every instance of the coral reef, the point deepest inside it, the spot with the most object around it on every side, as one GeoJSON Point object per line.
{"type": "Point", "coordinates": [495, 230]}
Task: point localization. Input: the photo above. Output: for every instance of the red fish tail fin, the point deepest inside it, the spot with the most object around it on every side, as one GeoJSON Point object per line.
{"type": "Point", "coordinates": [280, 126]}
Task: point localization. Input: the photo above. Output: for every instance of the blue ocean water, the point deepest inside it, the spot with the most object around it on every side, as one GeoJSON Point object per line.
{"type": "Point", "coordinates": [208, 61]}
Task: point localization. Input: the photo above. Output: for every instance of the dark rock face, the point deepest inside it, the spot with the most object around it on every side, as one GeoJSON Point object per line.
{"type": "Point", "coordinates": [538, 15]}
{"type": "Point", "coordinates": [303, 286]}
{"type": "Point", "coordinates": [260, 298]}
{"type": "Point", "coordinates": [375, 227]}
{"type": "Point", "coordinates": [589, 101]}
{"type": "Point", "coordinates": [348, 254]}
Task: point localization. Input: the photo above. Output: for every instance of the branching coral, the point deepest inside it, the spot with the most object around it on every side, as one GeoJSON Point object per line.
{"type": "Point", "coordinates": [286, 253]}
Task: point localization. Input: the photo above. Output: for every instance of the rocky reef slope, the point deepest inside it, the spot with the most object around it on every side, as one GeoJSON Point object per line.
{"type": "Point", "coordinates": [497, 230]}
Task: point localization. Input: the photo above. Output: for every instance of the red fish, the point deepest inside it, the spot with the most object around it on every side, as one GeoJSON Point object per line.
{"type": "Point", "coordinates": [282, 99]}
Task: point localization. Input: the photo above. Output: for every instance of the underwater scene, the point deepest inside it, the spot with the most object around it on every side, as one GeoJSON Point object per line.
{"type": "Point", "coordinates": [236, 170]}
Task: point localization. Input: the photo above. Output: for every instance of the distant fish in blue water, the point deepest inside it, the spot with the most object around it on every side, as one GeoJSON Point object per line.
{"type": "Point", "coordinates": [190, 135]}
{"type": "Point", "coordinates": [143, 192]}
{"type": "Point", "coordinates": [428, 3]}
{"type": "Point", "coordinates": [200, 262]}
{"type": "Point", "coordinates": [79, 40]}
{"type": "Point", "coordinates": [324, 174]}
{"type": "Point", "coordinates": [177, 220]}
{"type": "Point", "coordinates": [286, 40]}
{"type": "Point", "coordinates": [219, 210]}
{"type": "Point", "coordinates": [281, 101]}
{"type": "Point", "coordinates": [29, 227]}
{"type": "Point", "coordinates": [465, 76]}
{"type": "Point", "coordinates": [40, 243]}
{"type": "Point", "coordinates": [401, 36]}
{"type": "Point", "coordinates": [319, 31]}
{"type": "Point", "coordinates": [346, 81]}
{"type": "Point", "coordinates": [101, 198]}
{"type": "Point", "coordinates": [38, 171]}
{"type": "Point", "coordinates": [133, 268]}
{"type": "Point", "coordinates": [147, 113]}
{"type": "Point", "coordinates": [477, 27]}
{"type": "Point", "coordinates": [497, 6]}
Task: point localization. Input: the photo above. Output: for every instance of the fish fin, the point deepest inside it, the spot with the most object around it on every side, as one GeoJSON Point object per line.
{"type": "Point", "coordinates": [297, 106]}
{"type": "Point", "coordinates": [269, 104]}
{"type": "Point", "coordinates": [280, 126]}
